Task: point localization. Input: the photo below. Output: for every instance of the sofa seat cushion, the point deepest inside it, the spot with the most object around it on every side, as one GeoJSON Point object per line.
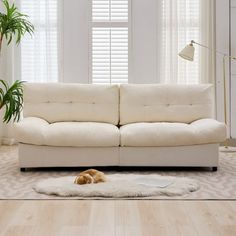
{"type": "Point", "coordinates": [37, 131]}
{"type": "Point", "coordinates": [204, 131]}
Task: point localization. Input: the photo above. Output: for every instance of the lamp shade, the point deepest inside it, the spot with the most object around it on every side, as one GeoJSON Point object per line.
{"type": "Point", "coordinates": [188, 52]}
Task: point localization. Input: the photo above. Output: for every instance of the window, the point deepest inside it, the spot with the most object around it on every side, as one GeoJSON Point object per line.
{"type": "Point", "coordinates": [39, 54]}
{"type": "Point", "coordinates": [181, 22]}
{"type": "Point", "coordinates": [109, 41]}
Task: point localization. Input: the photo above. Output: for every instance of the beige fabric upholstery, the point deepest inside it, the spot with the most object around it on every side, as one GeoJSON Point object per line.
{"type": "Point", "coordinates": [75, 125]}
{"type": "Point", "coordinates": [36, 131]}
{"type": "Point", "coordinates": [49, 156]}
{"type": "Point", "coordinates": [168, 103]}
{"type": "Point", "coordinates": [192, 155]}
{"type": "Point", "coordinates": [204, 131]}
{"type": "Point", "coordinates": [56, 102]}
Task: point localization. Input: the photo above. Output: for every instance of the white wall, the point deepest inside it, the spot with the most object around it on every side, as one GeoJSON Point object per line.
{"type": "Point", "coordinates": [75, 37]}
{"type": "Point", "coordinates": [222, 44]}
{"type": "Point", "coordinates": [233, 69]}
{"type": "Point", "coordinates": [144, 41]}
{"type": "Point", "coordinates": [226, 42]}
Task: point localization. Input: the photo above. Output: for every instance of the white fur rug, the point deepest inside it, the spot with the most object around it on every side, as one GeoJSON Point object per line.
{"type": "Point", "coordinates": [117, 186]}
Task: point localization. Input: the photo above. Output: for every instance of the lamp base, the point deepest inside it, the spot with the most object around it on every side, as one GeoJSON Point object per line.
{"type": "Point", "coordinates": [227, 149]}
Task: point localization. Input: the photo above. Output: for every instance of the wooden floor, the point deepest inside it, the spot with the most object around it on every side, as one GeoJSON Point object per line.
{"type": "Point", "coordinates": [117, 218]}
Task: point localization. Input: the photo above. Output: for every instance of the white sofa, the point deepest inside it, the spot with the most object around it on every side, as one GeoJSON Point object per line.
{"type": "Point", "coordinates": [67, 125]}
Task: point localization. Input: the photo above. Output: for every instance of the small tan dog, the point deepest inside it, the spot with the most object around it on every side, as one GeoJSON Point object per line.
{"type": "Point", "coordinates": [90, 176]}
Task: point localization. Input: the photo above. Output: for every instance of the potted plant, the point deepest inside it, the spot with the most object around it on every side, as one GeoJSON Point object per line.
{"type": "Point", "coordinates": [13, 24]}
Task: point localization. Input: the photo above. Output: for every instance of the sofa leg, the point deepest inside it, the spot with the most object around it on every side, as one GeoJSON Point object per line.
{"type": "Point", "coordinates": [23, 169]}
{"type": "Point", "coordinates": [214, 168]}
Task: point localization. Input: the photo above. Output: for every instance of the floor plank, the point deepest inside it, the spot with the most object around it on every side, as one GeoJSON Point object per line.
{"type": "Point", "coordinates": [118, 218]}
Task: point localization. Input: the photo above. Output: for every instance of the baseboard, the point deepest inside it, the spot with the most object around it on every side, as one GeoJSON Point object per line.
{"type": "Point", "coordinates": [231, 142]}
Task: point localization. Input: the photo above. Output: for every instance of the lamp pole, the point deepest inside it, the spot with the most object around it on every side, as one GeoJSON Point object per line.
{"type": "Point", "coordinates": [190, 58]}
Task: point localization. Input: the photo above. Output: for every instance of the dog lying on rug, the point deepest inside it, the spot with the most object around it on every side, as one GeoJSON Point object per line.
{"type": "Point", "coordinates": [90, 176]}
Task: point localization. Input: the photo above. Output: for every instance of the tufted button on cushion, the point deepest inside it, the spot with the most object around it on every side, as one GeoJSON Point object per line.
{"type": "Point", "coordinates": [167, 103]}
{"type": "Point", "coordinates": [89, 103]}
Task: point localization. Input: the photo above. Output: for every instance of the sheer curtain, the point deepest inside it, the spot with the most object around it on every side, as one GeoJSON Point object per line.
{"type": "Point", "coordinates": [37, 57]}
{"type": "Point", "coordinates": [39, 54]}
{"type": "Point", "coordinates": [182, 21]}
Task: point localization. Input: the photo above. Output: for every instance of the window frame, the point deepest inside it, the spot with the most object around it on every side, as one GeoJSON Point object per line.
{"type": "Point", "coordinates": [114, 24]}
{"type": "Point", "coordinates": [194, 26]}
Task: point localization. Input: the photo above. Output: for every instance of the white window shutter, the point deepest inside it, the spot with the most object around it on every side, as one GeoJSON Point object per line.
{"type": "Point", "coordinates": [109, 41]}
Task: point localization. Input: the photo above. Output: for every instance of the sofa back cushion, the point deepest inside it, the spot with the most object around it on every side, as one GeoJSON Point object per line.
{"type": "Point", "coordinates": [165, 103]}
{"type": "Point", "coordinates": [57, 102]}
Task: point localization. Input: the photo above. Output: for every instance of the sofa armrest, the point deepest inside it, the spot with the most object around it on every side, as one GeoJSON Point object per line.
{"type": "Point", "coordinates": [30, 128]}
{"type": "Point", "coordinates": [214, 129]}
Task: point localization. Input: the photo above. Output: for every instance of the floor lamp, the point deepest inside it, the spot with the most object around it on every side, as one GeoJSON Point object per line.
{"type": "Point", "coordinates": [188, 54]}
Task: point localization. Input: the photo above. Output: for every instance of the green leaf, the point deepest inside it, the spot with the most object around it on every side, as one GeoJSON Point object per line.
{"type": "Point", "coordinates": [12, 98]}
{"type": "Point", "coordinates": [13, 23]}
